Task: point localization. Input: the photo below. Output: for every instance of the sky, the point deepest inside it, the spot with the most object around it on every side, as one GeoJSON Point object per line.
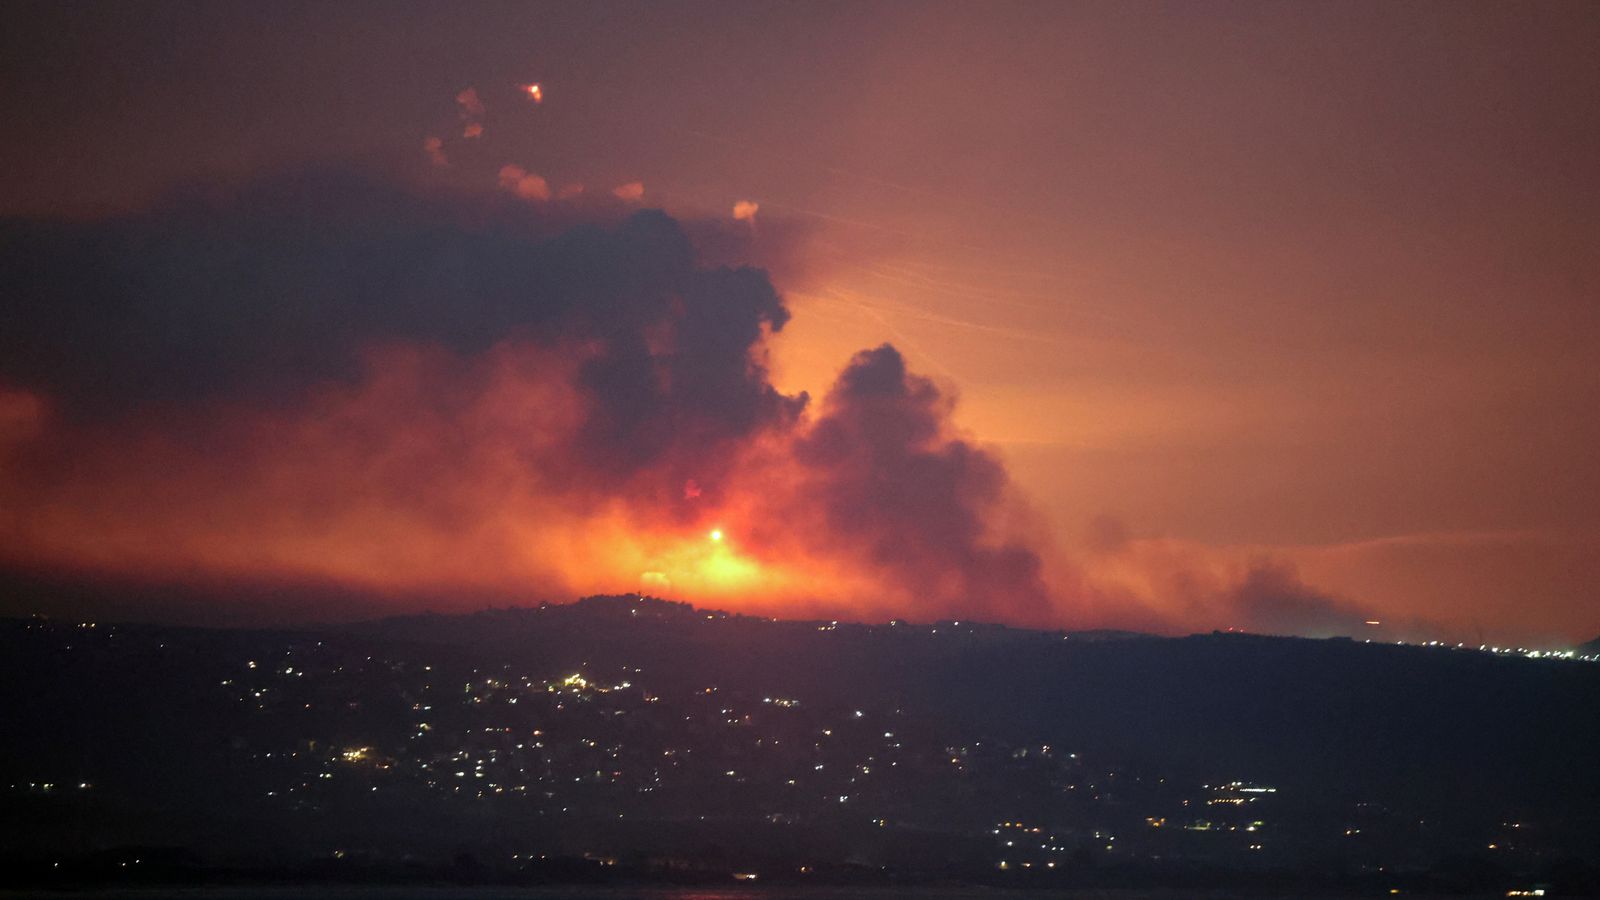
{"type": "Point", "coordinates": [1158, 315]}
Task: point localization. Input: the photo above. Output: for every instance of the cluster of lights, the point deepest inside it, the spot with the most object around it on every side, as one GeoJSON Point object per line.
{"type": "Point", "coordinates": [1233, 793]}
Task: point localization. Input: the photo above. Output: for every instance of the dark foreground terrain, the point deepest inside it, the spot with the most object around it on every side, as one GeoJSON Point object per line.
{"type": "Point", "coordinates": [402, 892]}
{"type": "Point", "coordinates": [625, 741]}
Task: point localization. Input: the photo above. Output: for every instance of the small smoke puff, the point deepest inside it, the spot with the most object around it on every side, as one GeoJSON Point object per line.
{"type": "Point", "coordinates": [654, 580]}
{"type": "Point", "coordinates": [523, 183]}
{"type": "Point", "coordinates": [434, 148]}
{"type": "Point", "coordinates": [569, 191]}
{"type": "Point", "coordinates": [534, 92]}
{"type": "Point", "coordinates": [632, 192]}
{"type": "Point", "coordinates": [745, 210]}
{"type": "Point", "coordinates": [472, 130]}
{"type": "Point", "coordinates": [471, 106]}
{"type": "Point", "coordinates": [691, 489]}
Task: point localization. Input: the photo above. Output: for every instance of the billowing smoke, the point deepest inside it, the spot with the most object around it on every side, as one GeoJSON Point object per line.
{"type": "Point", "coordinates": [1168, 584]}
{"type": "Point", "coordinates": [266, 294]}
{"type": "Point", "coordinates": [324, 385]}
{"type": "Point", "coordinates": [1272, 598]}
{"type": "Point", "coordinates": [327, 379]}
{"type": "Point", "coordinates": [885, 480]}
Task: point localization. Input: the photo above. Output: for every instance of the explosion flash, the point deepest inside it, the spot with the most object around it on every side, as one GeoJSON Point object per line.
{"type": "Point", "coordinates": [534, 92]}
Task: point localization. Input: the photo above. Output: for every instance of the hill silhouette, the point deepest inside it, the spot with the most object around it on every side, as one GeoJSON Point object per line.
{"type": "Point", "coordinates": [678, 742]}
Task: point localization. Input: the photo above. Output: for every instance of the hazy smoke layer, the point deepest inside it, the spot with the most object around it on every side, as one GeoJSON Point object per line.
{"type": "Point", "coordinates": [327, 386]}
{"type": "Point", "coordinates": [327, 379]}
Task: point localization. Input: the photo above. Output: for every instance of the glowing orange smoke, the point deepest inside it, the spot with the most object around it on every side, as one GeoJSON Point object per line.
{"type": "Point", "coordinates": [509, 472]}
{"type": "Point", "coordinates": [534, 92]}
{"type": "Point", "coordinates": [434, 477]}
{"type": "Point", "coordinates": [435, 480]}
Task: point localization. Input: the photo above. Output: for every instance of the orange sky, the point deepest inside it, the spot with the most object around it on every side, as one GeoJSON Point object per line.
{"type": "Point", "coordinates": [1313, 284]}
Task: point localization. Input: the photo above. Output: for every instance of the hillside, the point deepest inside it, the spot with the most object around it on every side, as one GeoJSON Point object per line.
{"type": "Point", "coordinates": [659, 735]}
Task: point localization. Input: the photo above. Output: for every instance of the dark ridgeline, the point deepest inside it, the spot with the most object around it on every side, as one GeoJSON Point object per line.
{"type": "Point", "coordinates": [624, 738]}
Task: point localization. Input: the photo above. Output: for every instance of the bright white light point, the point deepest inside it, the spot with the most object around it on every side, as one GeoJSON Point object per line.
{"type": "Point", "coordinates": [716, 534]}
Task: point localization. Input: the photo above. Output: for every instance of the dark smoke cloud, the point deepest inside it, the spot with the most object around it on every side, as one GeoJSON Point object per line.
{"type": "Point", "coordinates": [346, 350]}
{"type": "Point", "coordinates": [259, 294]}
{"type": "Point", "coordinates": [258, 383]}
{"type": "Point", "coordinates": [890, 482]}
{"type": "Point", "coordinates": [1193, 588]}
{"type": "Point", "coordinates": [1273, 599]}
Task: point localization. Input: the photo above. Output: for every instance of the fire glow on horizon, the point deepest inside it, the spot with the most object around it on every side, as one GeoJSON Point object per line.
{"type": "Point", "coordinates": [581, 458]}
{"type": "Point", "coordinates": [488, 369]}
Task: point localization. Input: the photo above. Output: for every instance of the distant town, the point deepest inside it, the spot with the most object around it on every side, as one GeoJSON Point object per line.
{"type": "Point", "coordinates": [631, 739]}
